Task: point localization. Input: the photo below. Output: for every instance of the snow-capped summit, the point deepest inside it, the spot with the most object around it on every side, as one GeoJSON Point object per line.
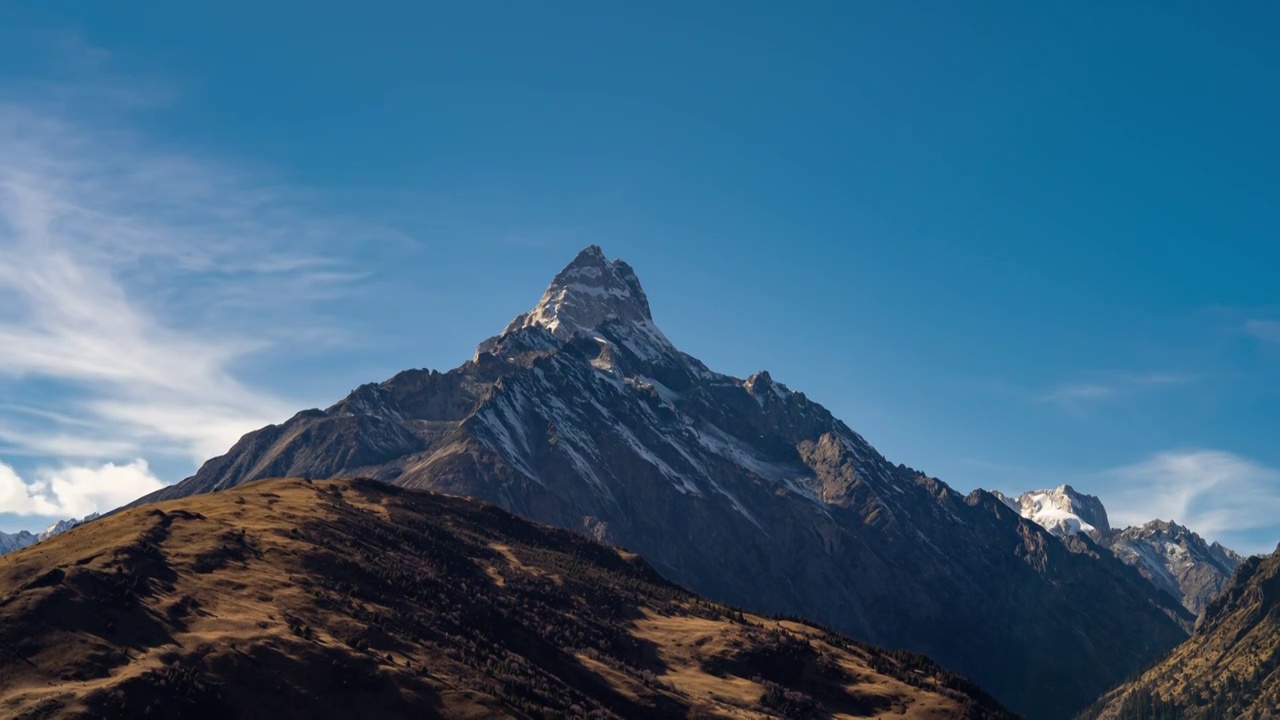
{"type": "Point", "coordinates": [62, 526]}
{"type": "Point", "coordinates": [589, 291]}
{"type": "Point", "coordinates": [597, 298]}
{"type": "Point", "coordinates": [1061, 511]}
{"type": "Point", "coordinates": [17, 541]}
{"type": "Point", "coordinates": [1175, 559]}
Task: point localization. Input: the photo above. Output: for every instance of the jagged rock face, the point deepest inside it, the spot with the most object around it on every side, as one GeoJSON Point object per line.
{"type": "Point", "coordinates": [1227, 669]}
{"type": "Point", "coordinates": [1176, 560]}
{"type": "Point", "coordinates": [583, 415]}
{"type": "Point", "coordinates": [589, 291]}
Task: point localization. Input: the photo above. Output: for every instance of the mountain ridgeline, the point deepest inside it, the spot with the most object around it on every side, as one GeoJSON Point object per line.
{"type": "Point", "coordinates": [1174, 559]}
{"type": "Point", "coordinates": [1228, 670]}
{"type": "Point", "coordinates": [582, 414]}
{"type": "Point", "coordinates": [17, 541]}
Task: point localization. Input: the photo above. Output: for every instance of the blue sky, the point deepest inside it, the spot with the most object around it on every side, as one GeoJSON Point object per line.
{"type": "Point", "coordinates": [1013, 246]}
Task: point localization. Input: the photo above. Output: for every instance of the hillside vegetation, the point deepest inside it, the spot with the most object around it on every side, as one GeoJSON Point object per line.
{"type": "Point", "coordinates": [352, 598]}
{"type": "Point", "coordinates": [1228, 670]}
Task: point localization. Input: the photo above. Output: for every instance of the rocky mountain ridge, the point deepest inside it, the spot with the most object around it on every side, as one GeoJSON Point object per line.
{"type": "Point", "coordinates": [583, 414]}
{"type": "Point", "coordinates": [1175, 559]}
{"type": "Point", "coordinates": [15, 541]}
{"type": "Point", "coordinates": [10, 542]}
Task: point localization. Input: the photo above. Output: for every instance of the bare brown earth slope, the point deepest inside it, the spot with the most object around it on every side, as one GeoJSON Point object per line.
{"type": "Point", "coordinates": [354, 598]}
{"type": "Point", "coordinates": [1228, 670]}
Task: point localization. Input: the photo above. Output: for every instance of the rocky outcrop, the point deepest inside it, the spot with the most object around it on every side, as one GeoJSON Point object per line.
{"type": "Point", "coordinates": [1175, 560]}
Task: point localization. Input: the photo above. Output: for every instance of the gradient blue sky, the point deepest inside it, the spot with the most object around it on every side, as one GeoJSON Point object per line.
{"type": "Point", "coordinates": [1012, 245]}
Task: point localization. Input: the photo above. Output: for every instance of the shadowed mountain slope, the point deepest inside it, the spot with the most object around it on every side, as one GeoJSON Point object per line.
{"type": "Point", "coordinates": [582, 414]}
{"type": "Point", "coordinates": [288, 598]}
{"type": "Point", "coordinates": [1228, 670]}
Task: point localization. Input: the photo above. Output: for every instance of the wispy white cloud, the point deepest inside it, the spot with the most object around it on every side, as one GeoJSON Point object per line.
{"type": "Point", "coordinates": [1218, 494]}
{"type": "Point", "coordinates": [137, 281]}
{"type": "Point", "coordinates": [72, 245]}
{"type": "Point", "coordinates": [1074, 392]}
{"type": "Point", "coordinates": [84, 441]}
{"type": "Point", "coordinates": [1110, 388]}
{"type": "Point", "coordinates": [1264, 330]}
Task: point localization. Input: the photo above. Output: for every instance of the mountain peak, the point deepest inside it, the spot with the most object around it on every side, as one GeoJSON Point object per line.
{"type": "Point", "coordinates": [589, 292]}
{"type": "Point", "coordinates": [9, 543]}
{"type": "Point", "coordinates": [591, 254]}
{"type": "Point", "coordinates": [582, 415]}
{"type": "Point", "coordinates": [1062, 511]}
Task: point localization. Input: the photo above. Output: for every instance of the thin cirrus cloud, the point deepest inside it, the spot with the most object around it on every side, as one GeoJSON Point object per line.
{"type": "Point", "coordinates": [1264, 330]}
{"type": "Point", "coordinates": [1219, 494]}
{"type": "Point", "coordinates": [134, 281]}
{"type": "Point", "coordinates": [1120, 386]}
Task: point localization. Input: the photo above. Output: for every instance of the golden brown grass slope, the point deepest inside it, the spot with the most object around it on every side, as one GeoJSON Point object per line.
{"type": "Point", "coordinates": [351, 598]}
{"type": "Point", "coordinates": [1228, 670]}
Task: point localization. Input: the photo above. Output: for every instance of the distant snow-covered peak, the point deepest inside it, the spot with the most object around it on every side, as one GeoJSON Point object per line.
{"type": "Point", "coordinates": [1183, 543]}
{"type": "Point", "coordinates": [1177, 560]}
{"type": "Point", "coordinates": [17, 541]}
{"type": "Point", "coordinates": [62, 526]}
{"type": "Point", "coordinates": [1062, 510]}
{"type": "Point", "coordinates": [1172, 557]}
